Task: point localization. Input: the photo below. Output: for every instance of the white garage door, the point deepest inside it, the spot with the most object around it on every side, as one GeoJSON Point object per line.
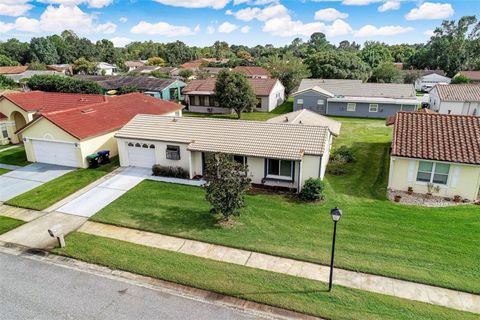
{"type": "Point", "coordinates": [55, 153]}
{"type": "Point", "coordinates": [141, 155]}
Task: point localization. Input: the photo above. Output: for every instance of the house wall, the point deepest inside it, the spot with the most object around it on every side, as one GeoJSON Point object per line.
{"type": "Point", "coordinates": [8, 108]}
{"type": "Point", "coordinates": [175, 85]}
{"type": "Point", "coordinates": [95, 144]}
{"type": "Point", "coordinates": [362, 110]}
{"type": "Point", "coordinates": [310, 102]}
{"type": "Point", "coordinates": [276, 98]}
{"type": "Point", "coordinates": [463, 180]}
{"type": "Point", "coordinates": [453, 107]}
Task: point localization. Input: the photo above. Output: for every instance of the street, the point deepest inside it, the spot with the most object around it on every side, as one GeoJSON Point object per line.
{"type": "Point", "coordinates": [31, 289]}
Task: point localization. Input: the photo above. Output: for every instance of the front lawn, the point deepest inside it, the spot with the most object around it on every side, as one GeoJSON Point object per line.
{"type": "Point", "coordinates": [15, 156]}
{"type": "Point", "coordinates": [3, 171]}
{"type": "Point", "coordinates": [7, 224]}
{"type": "Point", "coordinates": [436, 246]}
{"type": "Point", "coordinates": [288, 292]}
{"type": "Point", "coordinates": [57, 189]}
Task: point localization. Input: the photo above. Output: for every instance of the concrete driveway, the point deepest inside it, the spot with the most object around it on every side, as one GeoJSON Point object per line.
{"type": "Point", "coordinates": [92, 201]}
{"type": "Point", "coordinates": [29, 177]}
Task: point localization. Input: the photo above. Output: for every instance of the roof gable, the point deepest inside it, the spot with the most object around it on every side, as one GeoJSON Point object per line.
{"type": "Point", "coordinates": [261, 87]}
{"type": "Point", "coordinates": [458, 92]}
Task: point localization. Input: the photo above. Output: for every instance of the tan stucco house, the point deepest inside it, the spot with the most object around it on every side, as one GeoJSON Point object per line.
{"type": "Point", "coordinates": [63, 129]}
{"type": "Point", "coordinates": [439, 150]}
{"type": "Point", "coordinates": [277, 154]}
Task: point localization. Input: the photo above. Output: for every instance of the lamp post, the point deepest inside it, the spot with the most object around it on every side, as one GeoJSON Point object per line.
{"type": "Point", "coordinates": [336, 215]}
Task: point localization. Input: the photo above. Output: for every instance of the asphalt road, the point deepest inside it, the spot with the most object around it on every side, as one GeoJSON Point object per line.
{"type": "Point", "coordinates": [31, 289]}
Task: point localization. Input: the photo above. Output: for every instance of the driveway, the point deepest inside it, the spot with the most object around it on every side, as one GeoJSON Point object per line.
{"type": "Point", "coordinates": [29, 177]}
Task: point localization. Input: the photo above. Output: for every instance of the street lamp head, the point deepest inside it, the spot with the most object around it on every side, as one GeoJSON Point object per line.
{"type": "Point", "coordinates": [336, 214]}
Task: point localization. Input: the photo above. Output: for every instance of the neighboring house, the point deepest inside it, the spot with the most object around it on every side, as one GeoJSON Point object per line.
{"type": "Point", "coordinates": [439, 150]}
{"type": "Point", "coordinates": [356, 99]}
{"type": "Point", "coordinates": [398, 65]}
{"type": "Point", "coordinates": [474, 76]}
{"type": "Point", "coordinates": [430, 78]}
{"type": "Point", "coordinates": [203, 62]}
{"type": "Point", "coordinates": [29, 73]}
{"type": "Point", "coordinates": [211, 72]}
{"type": "Point", "coordinates": [134, 64]}
{"type": "Point", "coordinates": [63, 129]}
{"type": "Point", "coordinates": [106, 69]}
{"type": "Point", "coordinates": [309, 83]}
{"type": "Point", "coordinates": [253, 72]}
{"type": "Point", "coordinates": [166, 89]}
{"type": "Point", "coordinates": [13, 70]}
{"type": "Point", "coordinates": [456, 99]}
{"type": "Point", "coordinates": [270, 94]}
{"type": "Point", "coordinates": [308, 118]}
{"type": "Point", "coordinates": [63, 68]}
{"type": "Point", "coordinates": [278, 155]}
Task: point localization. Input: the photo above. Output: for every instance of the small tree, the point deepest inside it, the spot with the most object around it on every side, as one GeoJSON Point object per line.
{"type": "Point", "coordinates": [226, 184]}
{"type": "Point", "coordinates": [460, 79]}
{"type": "Point", "coordinates": [313, 190]}
{"type": "Point", "coordinates": [185, 73]}
{"type": "Point", "coordinates": [386, 73]}
{"type": "Point", "coordinates": [289, 69]}
{"type": "Point", "coordinates": [156, 61]}
{"type": "Point", "coordinates": [232, 90]}
{"type": "Point", "coordinates": [7, 83]}
{"type": "Point", "coordinates": [83, 66]}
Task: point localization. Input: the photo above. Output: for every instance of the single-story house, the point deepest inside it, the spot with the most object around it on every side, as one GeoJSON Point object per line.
{"type": "Point", "coordinates": [166, 89]}
{"type": "Point", "coordinates": [106, 69]}
{"type": "Point", "coordinates": [308, 118]}
{"type": "Point", "coordinates": [30, 73]}
{"type": "Point", "coordinates": [253, 72]}
{"type": "Point", "coordinates": [202, 62]}
{"type": "Point", "coordinates": [134, 64]}
{"type": "Point", "coordinates": [437, 150]}
{"type": "Point", "coordinates": [63, 68]}
{"type": "Point", "coordinates": [355, 99]}
{"type": "Point", "coordinates": [309, 83]}
{"type": "Point", "coordinates": [13, 70]}
{"type": "Point", "coordinates": [63, 129]}
{"type": "Point", "coordinates": [430, 78]}
{"type": "Point", "coordinates": [200, 95]}
{"type": "Point", "coordinates": [277, 154]}
{"type": "Point", "coordinates": [456, 99]}
{"type": "Point", "coordinates": [474, 76]}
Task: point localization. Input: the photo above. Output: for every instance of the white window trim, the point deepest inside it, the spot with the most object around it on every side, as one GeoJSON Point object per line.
{"type": "Point", "coordinates": [432, 174]}
{"type": "Point", "coordinates": [299, 101]}
{"type": "Point", "coordinates": [371, 105]}
{"type": "Point", "coordinates": [351, 104]}
{"type": "Point", "coordinates": [320, 102]}
{"type": "Point", "coordinates": [286, 178]}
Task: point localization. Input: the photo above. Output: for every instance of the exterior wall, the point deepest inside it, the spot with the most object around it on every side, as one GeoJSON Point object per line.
{"type": "Point", "coordinates": [311, 167]}
{"type": "Point", "coordinates": [430, 80]}
{"type": "Point", "coordinates": [276, 97]}
{"type": "Point", "coordinates": [453, 107]}
{"type": "Point", "coordinates": [201, 109]}
{"type": "Point", "coordinates": [8, 108]}
{"type": "Point", "coordinates": [362, 110]}
{"type": "Point", "coordinates": [95, 144]}
{"type": "Point", "coordinates": [326, 156]}
{"type": "Point", "coordinates": [463, 180]}
{"type": "Point", "coordinates": [310, 102]}
{"type": "Point", "coordinates": [179, 85]}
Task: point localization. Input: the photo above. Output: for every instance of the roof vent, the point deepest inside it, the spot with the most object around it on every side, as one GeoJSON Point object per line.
{"type": "Point", "coordinates": [286, 119]}
{"type": "Point", "coordinates": [88, 110]}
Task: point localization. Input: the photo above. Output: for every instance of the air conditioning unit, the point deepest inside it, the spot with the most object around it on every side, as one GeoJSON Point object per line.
{"type": "Point", "coordinates": [210, 110]}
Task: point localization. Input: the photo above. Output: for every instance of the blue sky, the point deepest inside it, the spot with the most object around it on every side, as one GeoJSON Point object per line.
{"type": "Point", "coordinates": [249, 22]}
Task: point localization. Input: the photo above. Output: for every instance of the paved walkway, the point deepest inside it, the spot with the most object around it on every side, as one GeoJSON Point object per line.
{"type": "Point", "coordinates": [8, 148]}
{"type": "Point", "coordinates": [398, 288]}
{"type": "Point", "coordinates": [20, 213]}
{"type": "Point", "coordinates": [9, 166]}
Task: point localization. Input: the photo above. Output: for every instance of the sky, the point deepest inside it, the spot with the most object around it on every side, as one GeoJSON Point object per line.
{"type": "Point", "coordinates": [247, 22]}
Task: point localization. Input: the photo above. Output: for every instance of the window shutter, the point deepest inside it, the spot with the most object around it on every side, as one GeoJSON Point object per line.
{"type": "Point", "coordinates": [411, 170]}
{"type": "Point", "coordinates": [455, 176]}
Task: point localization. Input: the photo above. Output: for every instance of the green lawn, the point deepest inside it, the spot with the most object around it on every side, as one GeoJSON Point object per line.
{"type": "Point", "coordinates": [3, 171]}
{"type": "Point", "coordinates": [287, 106]}
{"type": "Point", "coordinates": [271, 288]}
{"type": "Point", "coordinates": [55, 190]}
{"type": "Point", "coordinates": [436, 246]}
{"type": "Point", "coordinates": [15, 156]}
{"type": "Point", "coordinates": [7, 224]}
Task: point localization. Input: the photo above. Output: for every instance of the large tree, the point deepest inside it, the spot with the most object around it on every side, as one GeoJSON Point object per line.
{"type": "Point", "coordinates": [15, 50]}
{"type": "Point", "coordinates": [55, 83]}
{"type": "Point", "coordinates": [6, 61]}
{"type": "Point", "coordinates": [232, 90]}
{"type": "Point", "coordinates": [386, 73]}
{"type": "Point", "coordinates": [43, 50]}
{"type": "Point", "coordinates": [337, 64]}
{"type": "Point", "coordinates": [289, 69]}
{"type": "Point", "coordinates": [375, 53]}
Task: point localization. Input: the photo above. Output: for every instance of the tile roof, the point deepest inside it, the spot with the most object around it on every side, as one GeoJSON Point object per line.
{"type": "Point", "coordinates": [250, 138]}
{"type": "Point", "coordinates": [310, 118]}
{"type": "Point", "coordinates": [458, 92]}
{"type": "Point", "coordinates": [144, 83]}
{"type": "Point", "coordinates": [2, 116]}
{"type": "Point", "coordinates": [252, 71]}
{"type": "Point", "coordinates": [13, 70]}
{"type": "Point", "coordinates": [134, 63]}
{"type": "Point", "coordinates": [309, 83]}
{"type": "Point", "coordinates": [261, 87]}
{"type": "Point", "coordinates": [433, 136]}
{"type": "Point", "coordinates": [472, 75]}
{"type": "Point", "coordinates": [95, 119]}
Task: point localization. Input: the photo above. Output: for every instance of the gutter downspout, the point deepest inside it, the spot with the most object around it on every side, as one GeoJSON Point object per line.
{"type": "Point", "coordinates": [299, 188]}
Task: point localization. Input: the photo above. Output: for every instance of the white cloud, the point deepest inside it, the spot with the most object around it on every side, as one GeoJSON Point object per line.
{"type": "Point", "coordinates": [389, 5]}
{"type": "Point", "coordinates": [431, 11]}
{"type": "Point", "coordinates": [161, 28]}
{"type": "Point", "coordinates": [269, 12]}
{"type": "Point", "coordinates": [359, 2]}
{"type": "Point", "coordinates": [27, 25]}
{"type": "Point", "coordinates": [13, 9]}
{"type": "Point", "coordinates": [6, 27]}
{"type": "Point", "coordinates": [227, 27]}
{"type": "Point", "coordinates": [257, 2]}
{"type": "Point", "coordinates": [120, 42]}
{"type": "Point", "coordinates": [330, 14]}
{"type": "Point", "coordinates": [429, 32]}
{"type": "Point", "coordinates": [286, 27]}
{"type": "Point", "coordinates": [210, 30]}
{"type": "Point", "coordinates": [106, 28]}
{"type": "Point", "coordinates": [197, 28]}
{"type": "Point", "coordinates": [245, 29]}
{"type": "Point", "coordinates": [123, 19]}
{"type": "Point", "coordinates": [372, 31]}
{"type": "Point", "coordinates": [215, 4]}
{"type": "Point", "coordinates": [90, 3]}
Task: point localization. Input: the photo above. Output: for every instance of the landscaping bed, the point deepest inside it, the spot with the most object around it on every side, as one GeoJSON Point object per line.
{"type": "Point", "coordinates": [7, 224]}
{"type": "Point", "coordinates": [288, 292]}
{"type": "Point", "coordinates": [15, 156]}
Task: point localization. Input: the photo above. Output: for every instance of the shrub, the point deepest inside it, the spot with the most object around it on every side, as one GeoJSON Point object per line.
{"type": "Point", "coordinates": [343, 152]}
{"type": "Point", "coordinates": [337, 166]}
{"type": "Point", "coordinates": [313, 190]}
{"type": "Point", "coordinates": [57, 83]}
{"type": "Point", "coordinates": [172, 172]}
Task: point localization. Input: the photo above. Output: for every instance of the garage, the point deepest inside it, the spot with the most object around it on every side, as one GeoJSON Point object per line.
{"type": "Point", "coordinates": [54, 152]}
{"type": "Point", "coordinates": [141, 154]}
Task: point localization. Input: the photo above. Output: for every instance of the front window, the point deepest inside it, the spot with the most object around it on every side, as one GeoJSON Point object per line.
{"type": "Point", "coordinates": [320, 102]}
{"type": "Point", "coordinates": [351, 107]}
{"type": "Point", "coordinates": [280, 169]}
{"type": "Point", "coordinates": [173, 153]}
{"type": "Point", "coordinates": [373, 107]}
{"type": "Point", "coordinates": [299, 101]}
{"type": "Point", "coordinates": [259, 103]}
{"type": "Point", "coordinates": [240, 159]}
{"type": "Point", "coordinates": [4, 131]}
{"type": "Point", "coordinates": [433, 172]}
{"type": "Point", "coordinates": [201, 100]}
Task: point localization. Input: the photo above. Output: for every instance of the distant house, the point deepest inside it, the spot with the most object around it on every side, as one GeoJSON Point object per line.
{"type": "Point", "coordinates": [13, 70]}
{"type": "Point", "coordinates": [106, 69]}
{"type": "Point", "coordinates": [134, 64]}
{"type": "Point", "coordinates": [398, 65]}
{"type": "Point", "coordinates": [29, 73]}
{"type": "Point", "coordinates": [474, 76]}
{"type": "Point", "coordinates": [202, 62]}
{"type": "Point", "coordinates": [210, 71]}
{"type": "Point", "coordinates": [308, 118]}
{"type": "Point", "coordinates": [166, 89]}
{"type": "Point", "coordinates": [430, 78]}
{"type": "Point", "coordinates": [253, 72]}
{"type": "Point", "coordinates": [278, 155]}
{"type": "Point", "coordinates": [351, 98]}
{"type": "Point", "coordinates": [439, 150]}
{"type": "Point", "coordinates": [62, 68]}
{"type": "Point", "coordinates": [456, 99]}
{"type": "Point", "coordinates": [270, 94]}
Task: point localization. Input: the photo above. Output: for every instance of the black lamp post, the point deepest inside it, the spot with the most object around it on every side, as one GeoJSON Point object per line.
{"type": "Point", "coordinates": [336, 215]}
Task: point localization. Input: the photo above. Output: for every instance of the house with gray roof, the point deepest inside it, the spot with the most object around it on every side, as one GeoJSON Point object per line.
{"type": "Point", "coordinates": [461, 99]}
{"type": "Point", "coordinates": [278, 155]}
{"type": "Point", "coordinates": [352, 98]}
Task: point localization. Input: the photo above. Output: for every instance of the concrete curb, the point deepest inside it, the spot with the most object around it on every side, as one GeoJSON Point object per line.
{"type": "Point", "coordinates": [248, 307]}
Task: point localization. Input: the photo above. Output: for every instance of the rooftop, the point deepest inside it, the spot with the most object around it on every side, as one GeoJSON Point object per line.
{"type": "Point", "coordinates": [309, 83]}
{"type": "Point", "coordinates": [472, 75]}
{"type": "Point", "coordinates": [13, 70]}
{"type": "Point", "coordinates": [458, 92]}
{"type": "Point", "coordinates": [141, 82]}
{"type": "Point", "coordinates": [440, 137]}
{"type": "Point", "coordinates": [258, 138]}
{"type": "Point", "coordinates": [307, 117]}
{"type": "Point", "coordinates": [261, 87]}
{"type": "Point", "coordinates": [252, 71]}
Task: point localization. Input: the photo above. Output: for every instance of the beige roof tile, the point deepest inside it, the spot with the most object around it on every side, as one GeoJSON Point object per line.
{"type": "Point", "coordinates": [458, 92]}
{"type": "Point", "coordinates": [307, 117]}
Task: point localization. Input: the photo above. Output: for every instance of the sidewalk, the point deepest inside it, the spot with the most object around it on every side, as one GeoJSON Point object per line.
{"type": "Point", "coordinates": [378, 284]}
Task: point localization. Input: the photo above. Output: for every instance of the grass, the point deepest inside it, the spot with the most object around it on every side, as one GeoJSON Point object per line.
{"type": "Point", "coordinates": [287, 106]}
{"type": "Point", "coordinates": [57, 189]}
{"type": "Point", "coordinates": [7, 224]}
{"type": "Point", "coordinates": [265, 287]}
{"type": "Point", "coordinates": [15, 156]}
{"type": "Point", "coordinates": [3, 171]}
{"type": "Point", "coordinates": [437, 246]}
